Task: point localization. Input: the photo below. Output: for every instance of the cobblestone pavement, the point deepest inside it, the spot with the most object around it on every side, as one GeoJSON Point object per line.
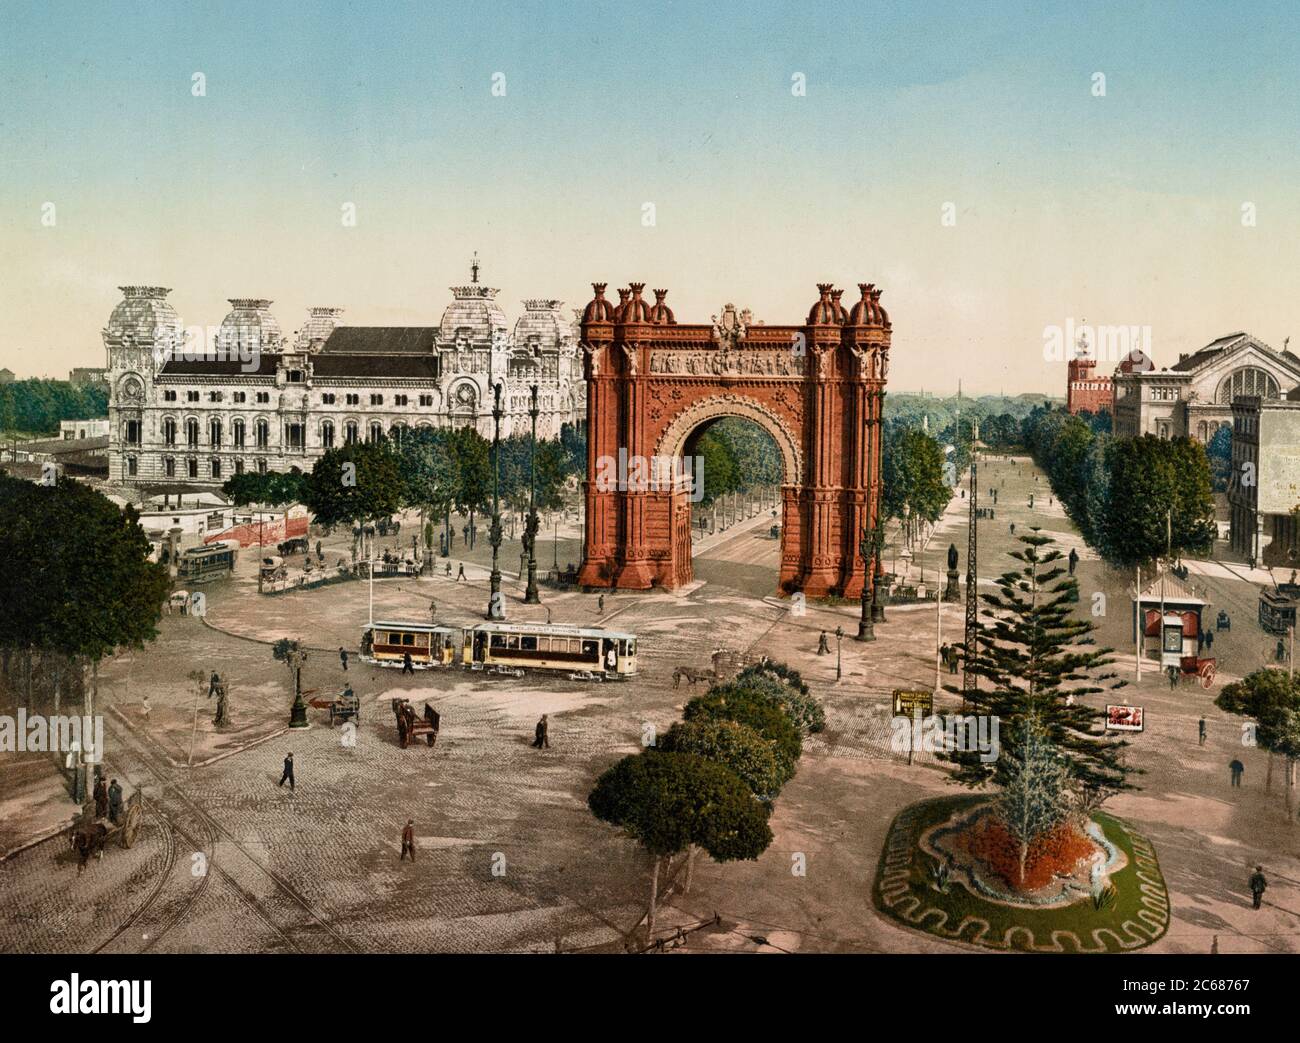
{"type": "Point", "coordinates": [509, 858]}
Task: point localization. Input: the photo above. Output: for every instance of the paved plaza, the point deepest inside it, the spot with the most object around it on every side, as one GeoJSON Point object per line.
{"type": "Point", "coordinates": [508, 856]}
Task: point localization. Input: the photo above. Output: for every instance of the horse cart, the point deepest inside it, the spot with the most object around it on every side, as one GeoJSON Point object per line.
{"type": "Point", "coordinates": [1195, 666]}
{"type": "Point", "coordinates": [411, 727]}
{"type": "Point", "coordinates": [92, 835]}
{"type": "Point", "coordinates": [347, 707]}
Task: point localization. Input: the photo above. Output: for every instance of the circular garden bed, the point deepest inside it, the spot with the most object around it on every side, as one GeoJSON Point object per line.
{"type": "Point", "coordinates": [933, 878]}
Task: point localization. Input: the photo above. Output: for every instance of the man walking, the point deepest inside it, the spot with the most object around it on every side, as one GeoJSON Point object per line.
{"type": "Point", "coordinates": [541, 740]}
{"type": "Point", "coordinates": [1173, 677]}
{"type": "Point", "coordinates": [460, 575]}
{"type": "Point", "coordinates": [288, 772]}
{"type": "Point", "coordinates": [101, 797]}
{"type": "Point", "coordinates": [1238, 769]}
{"type": "Point", "coordinates": [1209, 640]}
{"type": "Point", "coordinates": [408, 840]}
{"type": "Point", "coordinates": [407, 666]}
{"type": "Point", "coordinates": [1074, 559]}
{"type": "Point", "coordinates": [114, 802]}
{"type": "Point", "coordinates": [1202, 728]}
{"type": "Point", "coordinates": [823, 646]}
{"type": "Point", "coordinates": [1257, 885]}
{"type": "Point", "coordinates": [343, 658]}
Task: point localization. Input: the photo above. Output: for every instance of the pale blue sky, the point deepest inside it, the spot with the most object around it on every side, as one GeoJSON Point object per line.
{"type": "Point", "coordinates": [1123, 209]}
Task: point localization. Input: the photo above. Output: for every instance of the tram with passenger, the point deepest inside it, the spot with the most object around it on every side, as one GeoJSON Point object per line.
{"type": "Point", "coordinates": [547, 646]}
{"type": "Point", "coordinates": [388, 643]}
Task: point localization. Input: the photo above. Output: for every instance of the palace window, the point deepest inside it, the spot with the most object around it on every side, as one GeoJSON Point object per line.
{"type": "Point", "coordinates": [216, 468]}
{"type": "Point", "coordinates": [191, 432]}
{"type": "Point", "coordinates": [264, 397]}
{"type": "Point", "coordinates": [240, 396]}
{"type": "Point", "coordinates": [294, 376]}
{"type": "Point", "coordinates": [214, 396]}
{"type": "Point", "coordinates": [426, 400]}
{"type": "Point", "coordinates": [239, 467]}
{"type": "Point", "coordinates": [169, 466]}
{"type": "Point", "coordinates": [132, 466]}
{"type": "Point", "coordinates": [376, 432]}
{"type": "Point", "coordinates": [1246, 381]}
{"type": "Point", "coordinates": [399, 400]}
{"type": "Point", "coordinates": [237, 433]}
{"type": "Point", "coordinates": [327, 398]}
{"type": "Point", "coordinates": [263, 434]}
{"type": "Point", "coordinates": [191, 396]}
{"type": "Point", "coordinates": [261, 467]}
{"type": "Point", "coordinates": [327, 435]}
{"type": "Point", "coordinates": [169, 431]}
{"type": "Point", "coordinates": [294, 435]}
{"type": "Point", "coordinates": [350, 433]}
{"type": "Point", "coordinates": [133, 432]}
{"type": "Point", "coordinates": [376, 400]}
{"type": "Point", "coordinates": [169, 396]}
{"type": "Point", "coordinates": [352, 400]}
{"type": "Point", "coordinates": [191, 467]}
{"type": "Point", "coordinates": [214, 432]}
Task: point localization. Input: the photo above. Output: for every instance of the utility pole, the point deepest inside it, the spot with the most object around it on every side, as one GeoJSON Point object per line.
{"type": "Point", "coordinates": [494, 534]}
{"type": "Point", "coordinates": [968, 679]}
{"type": "Point", "coordinates": [531, 526]}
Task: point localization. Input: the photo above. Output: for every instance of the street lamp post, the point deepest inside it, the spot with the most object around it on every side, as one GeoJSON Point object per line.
{"type": "Point", "coordinates": [494, 534]}
{"type": "Point", "coordinates": [869, 549]}
{"type": "Point", "coordinates": [532, 525]}
{"type": "Point", "coordinates": [839, 663]}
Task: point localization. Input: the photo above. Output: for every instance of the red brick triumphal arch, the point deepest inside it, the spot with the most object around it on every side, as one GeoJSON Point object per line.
{"type": "Point", "coordinates": [817, 389]}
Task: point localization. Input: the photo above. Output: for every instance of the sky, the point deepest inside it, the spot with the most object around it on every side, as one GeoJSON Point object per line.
{"type": "Point", "coordinates": [1123, 208]}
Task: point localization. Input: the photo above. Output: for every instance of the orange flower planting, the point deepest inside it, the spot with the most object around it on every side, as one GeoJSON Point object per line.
{"type": "Point", "coordinates": [1056, 852]}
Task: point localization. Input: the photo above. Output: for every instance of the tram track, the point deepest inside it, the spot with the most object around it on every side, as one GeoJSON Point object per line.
{"type": "Point", "coordinates": [271, 898]}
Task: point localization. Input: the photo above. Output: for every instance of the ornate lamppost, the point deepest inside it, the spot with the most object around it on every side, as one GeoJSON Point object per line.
{"type": "Point", "coordinates": [839, 662]}
{"type": "Point", "coordinates": [494, 533]}
{"type": "Point", "coordinates": [532, 525]}
{"type": "Point", "coordinates": [870, 547]}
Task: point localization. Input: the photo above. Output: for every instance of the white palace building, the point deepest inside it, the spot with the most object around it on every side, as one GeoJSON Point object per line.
{"type": "Point", "coordinates": [185, 409]}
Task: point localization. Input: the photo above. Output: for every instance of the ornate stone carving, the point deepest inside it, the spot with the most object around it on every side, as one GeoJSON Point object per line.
{"type": "Point", "coordinates": [730, 329]}
{"type": "Point", "coordinates": [727, 363]}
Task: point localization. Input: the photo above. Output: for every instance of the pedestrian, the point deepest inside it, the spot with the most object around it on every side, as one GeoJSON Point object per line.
{"type": "Point", "coordinates": [1281, 650]}
{"type": "Point", "coordinates": [1209, 640]}
{"type": "Point", "coordinates": [600, 603]}
{"type": "Point", "coordinates": [1238, 769]}
{"type": "Point", "coordinates": [460, 575]}
{"type": "Point", "coordinates": [1200, 641]}
{"type": "Point", "coordinates": [101, 797]}
{"type": "Point", "coordinates": [1074, 559]}
{"type": "Point", "coordinates": [1202, 731]}
{"type": "Point", "coordinates": [541, 740]}
{"type": "Point", "coordinates": [448, 567]}
{"type": "Point", "coordinates": [952, 660]}
{"type": "Point", "coordinates": [407, 666]}
{"type": "Point", "coordinates": [823, 646]}
{"type": "Point", "coordinates": [1013, 528]}
{"type": "Point", "coordinates": [944, 653]}
{"type": "Point", "coordinates": [287, 776]}
{"type": "Point", "coordinates": [408, 840]}
{"type": "Point", "coordinates": [343, 658]}
{"type": "Point", "coordinates": [213, 684]}
{"type": "Point", "coordinates": [1172, 671]}
{"type": "Point", "coordinates": [1257, 885]}
{"type": "Point", "coordinates": [145, 708]}
{"type": "Point", "coordinates": [320, 553]}
{"type": "Point", "coordinates": [433, 611]}
{"type": "Point", "coordinates": [114, 802]}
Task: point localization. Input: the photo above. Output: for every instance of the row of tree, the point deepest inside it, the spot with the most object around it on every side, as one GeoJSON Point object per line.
{"type": "Point", "coordinates": [737, 455]}
{"type": "Point", "coordinates": [36, 406]}
{"type": "Point", "coordinates": [1133, 499]}
{"type": "Point", "coordinates": [710, 783]}
{"type": "Point", "coordinates": [439, 472]}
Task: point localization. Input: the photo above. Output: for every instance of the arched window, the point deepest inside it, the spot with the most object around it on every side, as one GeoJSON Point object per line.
{"type": "Point", "coordinates": [1201, 430]}
{"type": "Point", "coordinates": [216, 467]}
{"type": "Point", "coordinates": [214, 432]}
{"type": "Point", "coordinates": [263, 434]}
{"type": "Point", "coordinates": [350, 432]}
{"type": "Point", "coordinates": [237, 432]}
{"type": "Point", "coordinates": [191, 432]}
{"type": "Point", "coordinates": [169, 431]}
{"type": "Point", "coordinates": [1246, 381]}
{"type": "Point", "coordinates": [327, 434]}
{"type": "Point", "coordinates": [169, 466]}
{"type": "Point", "coordinates": [376, 432]}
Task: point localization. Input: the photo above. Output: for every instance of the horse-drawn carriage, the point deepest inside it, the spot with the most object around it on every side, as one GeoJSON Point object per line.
{"type": "Point", "coordinates": [726, 665]}
{"type": "Point", "coordinates": [410, 727]}
{"type": "Point", "coordinates": [92, 835]}
{"type": "Point", "coordinates": [346, 707]}
{"type": "Point", "coordinates": [1195, 666]}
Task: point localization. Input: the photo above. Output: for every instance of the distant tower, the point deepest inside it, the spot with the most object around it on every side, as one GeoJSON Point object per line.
{"type": "Point", "coordinates": [473, 268]}
{"type": "Point", "coordinates": [1085, 389]}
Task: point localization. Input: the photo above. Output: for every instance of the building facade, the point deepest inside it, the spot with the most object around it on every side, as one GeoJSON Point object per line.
{"type": "Point", "coordinates": [1194, 397]}
{"type": "Point", "coordinates": [185, 408]}
{"type": "Point", "coordinates": [1087, 390]}
{"type": "Point", "coordinates": [1264, 487]}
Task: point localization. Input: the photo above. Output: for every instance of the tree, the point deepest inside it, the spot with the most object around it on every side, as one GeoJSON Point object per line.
{"type": "Point", "coordinates": [473, 456]}
{"type": "Point", "coordinates": [1035, 794]}
{"type": "Point", "coordinates": [80, 584]}
{"type": "Point", "coordinates": [912, 470]}
{"type": "Point", "coordinates": [430, 474]}
{"type": "Point", "coordinates": [718, 465]}
{"type": "Point", "coordinates": [733, 745]}
{"type": "Point", "coordinates": [1160, 499]}
{"type": "Point", "coordinates": [735, 702]}
{"type": "Point", "coordinates": [1272, 699]}
{"type": "Point", "coordinates": [355, 484]}
{"type": "Point", "coordinates": [670, 801]}
{"type": "Point", "coordinates": [786, 688]}
{"type": "Point", "coordinates": [1219, 453]}
{"type": "Point", "coordinates": [1029, 649]}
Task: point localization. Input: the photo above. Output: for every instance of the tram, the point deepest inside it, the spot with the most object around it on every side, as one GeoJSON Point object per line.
{"type": "Point", "coordinates": [1277, 609]}
{"type": "Point", "coordinates": [429, 645]}
{"type": "Point", "coordinates": [544, 646]}
{"type": "Point", "coordinates": [201, 564]}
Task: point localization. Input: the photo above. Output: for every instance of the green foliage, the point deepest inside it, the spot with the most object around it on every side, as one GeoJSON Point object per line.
{"type": "Point", "coordinates": [272, 489]}
{"type": "Point", "coordinates": [77, 579]}
{"type": "Point", "coordinates": [1035, 795]}
{"type": "Point", "coordinates": [36, 406]}
{"type": "Point", "coordinates": [1031, 655]}
{"type": "Point", "coordinates": [670, 801]}
{"type": "Point", "coordinates": [718, 466]}
{"type": "Point", "coordinates": [912, 470]}
{"type": "Point", "coordinates": [354, 483]}
{"type": "Point", "coordinates": [733, 745]}
{"type": "Point", "coordinates": [783, 685]}
{"type": "Point", "coordinates": [756, 710]}
{"type": "Point", "coordinates": [1272, 699]}
{"type": "Point", "coordinates": [1219, 451]}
